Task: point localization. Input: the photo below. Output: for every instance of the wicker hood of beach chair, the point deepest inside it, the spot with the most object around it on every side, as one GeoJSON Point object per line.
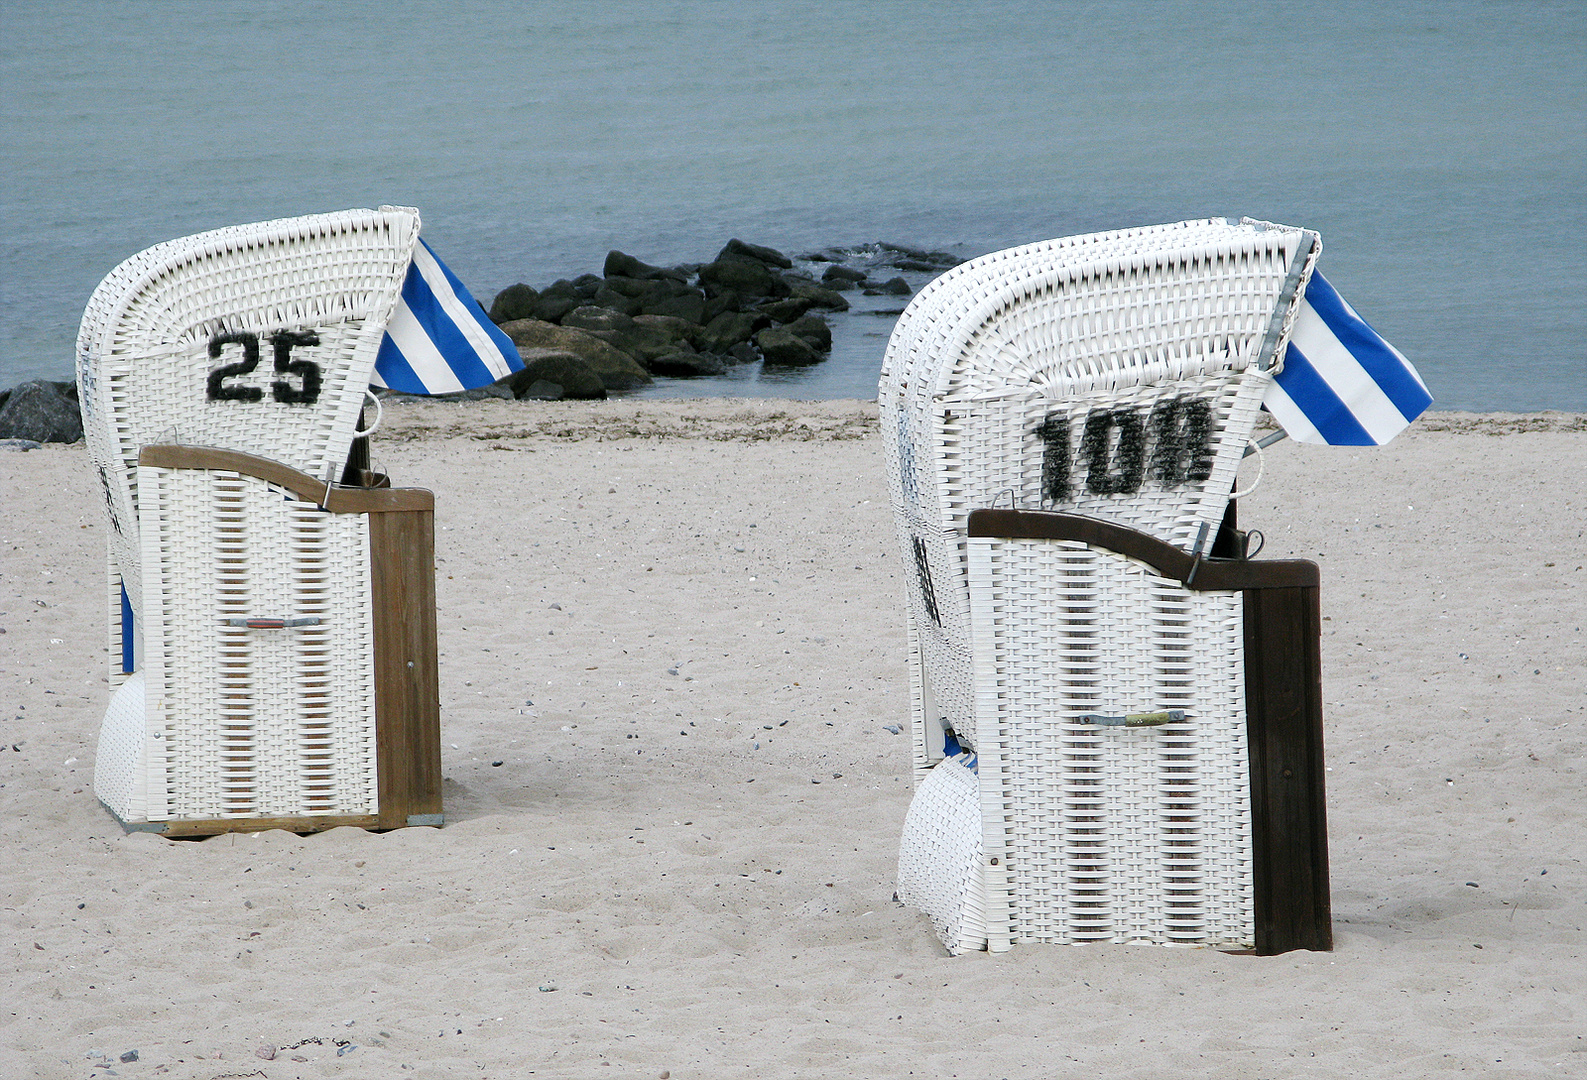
{"type": "Point", "coordinates": [1117, 375]}
{"type": "Point", "coordinates": [259, 338]}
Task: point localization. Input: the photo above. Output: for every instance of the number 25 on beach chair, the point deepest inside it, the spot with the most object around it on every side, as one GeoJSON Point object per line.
{"type": "Point", "coordinates": [272, 603]}
{"type": "Point", "coordinates": [1117, 715]}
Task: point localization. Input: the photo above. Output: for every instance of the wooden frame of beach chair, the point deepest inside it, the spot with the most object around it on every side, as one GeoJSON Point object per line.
{"type": "Point", "coordinates": [1116, 376]}
{"type": "Point", "coordinates": [257, 341]}
{"type": "Point", "coordinates": [1165, 760]}
{"type": "Point", "coordinates": [291, 679]}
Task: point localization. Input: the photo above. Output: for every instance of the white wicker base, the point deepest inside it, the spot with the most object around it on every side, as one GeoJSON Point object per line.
{"type": "Point", "coordinates": [246, 721]}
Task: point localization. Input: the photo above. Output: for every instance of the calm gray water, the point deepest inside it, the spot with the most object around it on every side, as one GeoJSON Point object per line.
{"type": "Point", "coordinates": [1440, 149]}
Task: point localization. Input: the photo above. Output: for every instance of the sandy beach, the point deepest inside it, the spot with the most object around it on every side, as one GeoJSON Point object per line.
{"type": "Point", "coordinates": [672, 642]}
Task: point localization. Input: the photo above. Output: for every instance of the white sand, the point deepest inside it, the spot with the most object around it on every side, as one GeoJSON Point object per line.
{"type": "Point", "coordinates": [681, 902]}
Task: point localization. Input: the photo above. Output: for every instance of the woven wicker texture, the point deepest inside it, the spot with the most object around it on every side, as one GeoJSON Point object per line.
{"type": "Point", "coordinates": [120, 766]}
{"type": "Point", "coordinates": [1116, 375]}
{"type": "Point", "coordinates": [1108, 833]}
{"type": "Point", "coordinates": [939, 860]}
{"type": "Point", "coordinates": [255, 722]}
{"type": "Point", "coordinates": [159, 326]}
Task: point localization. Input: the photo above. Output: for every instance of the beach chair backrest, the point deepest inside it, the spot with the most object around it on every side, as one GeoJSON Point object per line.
{"type": "Point", "coordinates": [259, 338]}
{"type": "Point", "coordinates": [1116, 375]}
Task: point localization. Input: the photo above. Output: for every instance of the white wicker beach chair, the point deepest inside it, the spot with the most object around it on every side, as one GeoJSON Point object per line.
{"type": "Point", "coordinates": [257, 607]}
{"type": "Point", "coordinates": [1116, 378]}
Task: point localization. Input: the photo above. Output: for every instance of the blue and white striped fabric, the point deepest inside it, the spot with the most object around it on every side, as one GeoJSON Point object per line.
{"type": "Point", "coordinates": [439, 340]}
{"type": "Point", "coordinates": [1342, 384]}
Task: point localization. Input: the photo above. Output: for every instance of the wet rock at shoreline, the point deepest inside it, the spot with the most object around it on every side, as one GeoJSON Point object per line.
{"type": "Point", "coordinates": [552, 375]}
{"type": "Point", "coordinates": [700, 318]}
{"type": "Point", "coordinates": [41, 411]}
{"type": "Point", "coordinates": [779, 346]}
{"type": "Point", "coordinates": [616, 369]}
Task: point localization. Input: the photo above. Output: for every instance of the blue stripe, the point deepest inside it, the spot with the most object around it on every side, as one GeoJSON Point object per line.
{"type": "Point", "coordinates": [443, 332]}
{"type": "Point", "coordinates": [1391, 374]}
{"type": "Point", "coordinates": [1328, 414]}
{"type": "Point", "coordinates": [128, 660]}
{"type": "Point", "coordinates": [504, 345]}
{"type": "Point", "coordinates": [393, 368]}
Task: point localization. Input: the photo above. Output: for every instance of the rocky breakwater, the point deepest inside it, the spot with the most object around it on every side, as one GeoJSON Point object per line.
{"type": "Point", "coordinates": [584, 337]}
{"type": "Point", "coordinates": [38, 412]}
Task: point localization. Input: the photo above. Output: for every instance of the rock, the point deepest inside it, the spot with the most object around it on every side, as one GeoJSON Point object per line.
{"type": "Point", "coordinates": [644, 338]}
{"type": "Point", "coordinates": [689, 305]}
{"type": "Point", "coordinates": [551, 375]}
{"type": "Point", "coordinates": [744, 353]}
{"type": "Point", "coordinates": [621, 265]}
{"type": "Point", "coordinates": [586, 284]}
{"type": "Point", "coordinates": [728, 329]}
{"type": "Point", "coordinates": [779, 346]}
{"type": "Point", "coordinates": [820, 297]}
{"type": "Point", "coordinates": [896, 287]}
{"type": "Point", "coordinates": [688, 364]}
{"type": "Point", "coordinates": [924, 260]}
{"type": "Point", "coordinates": [514, 302]}
{"type": "Point", "coordinates": [673, 327]}
{"type": "Point", "coordinates": [617, 370]}
{"type": "Point", "coordinates": [786, 311]}
{"type": "Point", "coordinates": [814, 329]}
{"type": "Point", "coordinates": [556, 300]}
{"type": "Point", "coordinates": [608, 297]}
{"type": "Point", "coordinates": [724, 300]}
{"type": "Point", "coordinates": [43, 411]}
{"type": "Point", "coordinates": [842, 277]}
{"type": "Point", "coordinates": [744, 276]}
{"type": "Point", "coordinates": [737, 249]}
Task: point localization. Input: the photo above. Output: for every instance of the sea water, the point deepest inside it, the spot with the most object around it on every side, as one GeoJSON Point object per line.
{"type": "Point", "coordinates": [1439, 148]}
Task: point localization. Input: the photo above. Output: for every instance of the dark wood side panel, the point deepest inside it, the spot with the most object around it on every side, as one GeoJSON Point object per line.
{"type": "Point", "coordinates": [1210, 574]}
{"type": "Point", "coordinates": [407, 687]}
{"type": "Point", "coordinates": [1289, 817]}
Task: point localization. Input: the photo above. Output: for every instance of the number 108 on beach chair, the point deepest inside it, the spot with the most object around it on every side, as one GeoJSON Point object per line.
{"type": "Point", "coordinates": [1117, 715]}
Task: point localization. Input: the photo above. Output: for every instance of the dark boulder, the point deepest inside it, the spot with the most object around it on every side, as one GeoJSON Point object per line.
{"type": "Point", "coordinates": [730, 328]}
{"type": "Point", "coordinates": [725, 300]}
{"type": "Point", "coordinates": [895, 287]}
{"type": "Point", "coordinates": [781, 347]}
{"type": "Point", "coordinates": [514, 302]}
{"type": "Point", "coordinates": [744, 352]}
{"type": "Point", "coordinates": [556, 300]}
{"type": "Point", "coordinates": [785, 311]}
{"type": "Point", "coordinates": [551, 375]}
{"type": "Point", "coordinates": [608, 297]}
{"type": "Point", "coordinates": [744, 276]}
{"type": "Point", "coordinates": [42, 411]}
{"type": "Point", "coordinates": [908, 258]}
{"type": "Point", "coordinates": [820, 297]}
{"type": "Point", "coordinates": [586, 284]}
{"type": "Point", "coordinates": [814, 329]}
{"type": "Point", "coordinates": [620, 265]}
{"type": "Point", "coordinates": [643, 338]}
{"type": "Point", "coordinates": [686, 365]}
{"type": "Point", "coordinates": [737, 249]}
{"type": "Point", "coordinates": [842, 277]}
{"type": "Point", "coordinates": [679, 330]}
{"type": "Point", "coordinates": [617, 370]}
{"type": "Point", "coordinates": [689, 305]}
